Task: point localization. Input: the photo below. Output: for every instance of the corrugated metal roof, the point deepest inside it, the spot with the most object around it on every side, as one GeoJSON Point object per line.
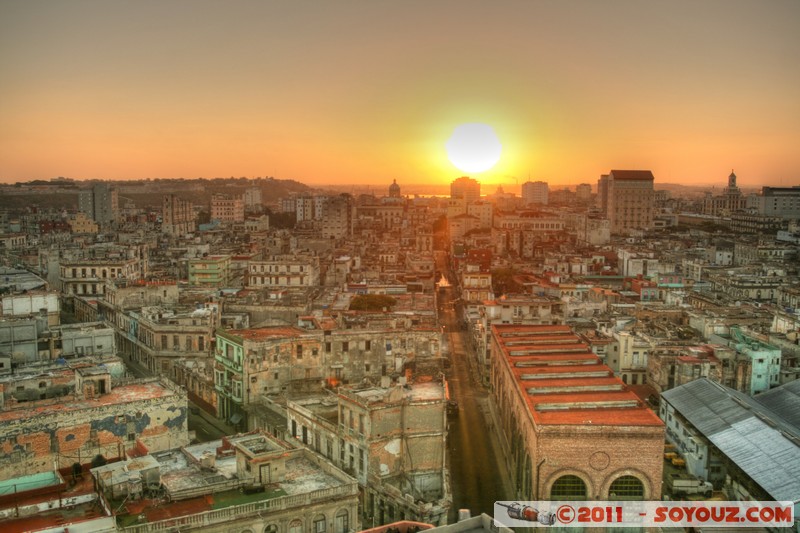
{"type": "Point", "coordinates": [755, 439]}
{"type": "Point", "coordinates": [784, 400]}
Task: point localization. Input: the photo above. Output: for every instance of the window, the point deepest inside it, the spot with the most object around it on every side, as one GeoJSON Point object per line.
{"type": "Point", "coordinates": [626, 488]}
{"type": "Point", "coordinates": [345, 346]}
{"type": "Point", "coordinates": [327, 347]}
{"type": "Point", "coordinates": [342, 521]}
{"type": "Point", "coordinates": [568, 487]}
{"type": "Point", "coordinates": [319, 524]}
{"type": "Point", "coordinates": [299, 351]}
{"type": "Point", "coordinates": [295, 526]}
{"type": "Point", "coordinates": [368, 345]}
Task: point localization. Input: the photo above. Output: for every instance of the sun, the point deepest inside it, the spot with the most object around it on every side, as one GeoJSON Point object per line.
{"type": "Point", "coordinates": [474, 147]}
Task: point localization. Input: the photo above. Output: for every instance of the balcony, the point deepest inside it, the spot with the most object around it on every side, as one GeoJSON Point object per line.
{"type": "Point", "coordinates": [228, 363]}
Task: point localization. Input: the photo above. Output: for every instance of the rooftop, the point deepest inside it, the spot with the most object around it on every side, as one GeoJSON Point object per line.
{"type": "Point", "coordinates": [564, 383]}
{"type": "Point", "coordinates": [134, 392]}
{"type": "Point", "coordinates": [755, 438]}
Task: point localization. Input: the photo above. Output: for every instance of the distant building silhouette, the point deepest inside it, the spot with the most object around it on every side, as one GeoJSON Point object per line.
{"type": "Point", "coordinates": [394, 190]}
{"type": "Point", "coordinates": [535, 192]}
{"type": "Point", "coordinates": [466, 189]}
{"type": "Point", "coordinates": [731, 200]}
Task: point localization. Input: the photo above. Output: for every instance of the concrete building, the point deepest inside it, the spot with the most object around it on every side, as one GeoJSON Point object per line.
{"type": "Point", "coordinates": [252, 198]}
{"type": "Point", "coordinates": [210, 271]}
{"type": "Point", "coordinates": [250, 482]}
{"type": "Point", "coordinates": [627, 199]}
{"type": "Point", "coordinates": [257, 363]}
{"type": "Point", "coordinates": [87, 277]}
{"type": "Point", "coordinates": [81, 223]}
{"type": "Point", "coordinates": [567, 425]}
{"type": "Point", "coordinates": [391, 438]}
{"type": "Point", "coordinates": [779, 202]}
{"type": "Point", "coordinates": [279, 271]}
{"type": "Point", "coordinates": [227, 209]}
{"type": "Point", "coordinates": [761, 362]}
{"type": "Point", "coordinates": [81, 411]}
{"type": "Point", "coordinates": [337, 217]}
{"type": "Point", "coordinates": [466, 189]}
{"type": "Point", "coordinates": [535, 192]}
{"type": "Point", "coordinates": [583, 193]}
{"type": "Point", "coordinates": [177, 216]}
{"type": "Point", "coordinates": [100, 203]}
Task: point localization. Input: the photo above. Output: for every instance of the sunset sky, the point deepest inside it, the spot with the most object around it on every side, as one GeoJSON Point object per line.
{"type": "Point", "coordinates": [370, 91]}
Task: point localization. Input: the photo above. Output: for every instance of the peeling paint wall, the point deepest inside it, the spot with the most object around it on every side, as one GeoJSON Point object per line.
{"type": "Point", "coordinates": [60, 438]}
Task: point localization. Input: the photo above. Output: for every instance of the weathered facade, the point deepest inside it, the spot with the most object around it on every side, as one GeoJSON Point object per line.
{"type": "Point", "coordinates": [94, 416]}
{"type": "Point", "coordinates": [391, 438]}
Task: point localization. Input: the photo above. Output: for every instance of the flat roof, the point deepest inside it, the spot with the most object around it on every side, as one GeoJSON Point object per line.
{"type": "Point", "coordinates": [120, 394]}
{"type": "Point", "coordinates": [563, 382]}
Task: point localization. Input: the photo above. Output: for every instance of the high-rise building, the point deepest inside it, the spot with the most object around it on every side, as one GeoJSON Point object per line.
{"type": "Point", "coordinates": [100, 203]}
{"type": "Point", "coordinates": [782, 202]}
{"type": "Point", "coordinates": [583, 192]}
{"type": "Point", "coordinates": [337, 216]}
{"type": "Point", "coordinates": [227, 208]}
{"type": "Point", "coordinates": [177, 215]}
{"type": "Point", "coordinates": [535, 192]}
{"type": "Point", "coordinates": [252, 198]}
{"type": "Point", "coordinates": [466, 189]}
{"type": "Point", "coordinates": [627, 199]}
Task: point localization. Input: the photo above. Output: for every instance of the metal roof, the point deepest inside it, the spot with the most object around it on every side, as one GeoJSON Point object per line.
{"type": "Point", "coordinates": [784, 400]}
{"type": "Point", "coordinates": [756, 439]}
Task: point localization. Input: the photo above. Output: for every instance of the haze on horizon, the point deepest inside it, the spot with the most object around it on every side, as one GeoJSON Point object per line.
{"type": "Point", "coordinates": [363, 92]}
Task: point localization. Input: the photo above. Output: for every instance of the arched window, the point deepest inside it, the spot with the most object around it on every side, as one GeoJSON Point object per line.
{"type": "Point", "coordinates": [272, 528]}
{"type": "Point", "coordinates": [342, 521]}
{"type": "Point", "coordinates": [568, 487]}
{"type": "Point", "coordinates": [319, 523]}
{"type": "Point", "coordinates": [626, 488]}
{"type": "Point", "coordinates": [295, 526]}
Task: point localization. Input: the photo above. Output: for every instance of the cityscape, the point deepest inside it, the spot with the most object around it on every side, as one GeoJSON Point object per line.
{"type": "Point", "coordinates": [358, 287]}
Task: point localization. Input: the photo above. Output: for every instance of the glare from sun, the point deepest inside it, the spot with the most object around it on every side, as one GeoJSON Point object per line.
{"type": "Point", "coordinates": [474, 147]}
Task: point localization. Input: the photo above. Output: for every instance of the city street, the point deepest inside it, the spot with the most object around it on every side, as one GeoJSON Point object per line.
{"type": "Point", "coordinates": [476, 475]}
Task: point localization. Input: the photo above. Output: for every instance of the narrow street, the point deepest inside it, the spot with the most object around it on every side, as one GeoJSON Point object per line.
{"type": "Point", "coordinates": [476, 477]}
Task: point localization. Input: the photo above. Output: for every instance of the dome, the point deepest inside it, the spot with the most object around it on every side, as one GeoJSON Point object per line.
{"type": "Point", "coordinates": [394, 189]}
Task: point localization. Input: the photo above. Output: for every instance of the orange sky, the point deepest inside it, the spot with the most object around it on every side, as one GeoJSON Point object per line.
{"type": "Point", "coordinates": [365, 92]}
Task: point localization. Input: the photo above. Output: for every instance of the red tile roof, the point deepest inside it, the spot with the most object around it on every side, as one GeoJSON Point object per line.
{"type": "Point", "coordinates": [563, 382]}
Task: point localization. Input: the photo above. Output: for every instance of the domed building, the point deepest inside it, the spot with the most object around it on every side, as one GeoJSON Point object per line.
{"type": "Point", "coordinates": [394, 190]}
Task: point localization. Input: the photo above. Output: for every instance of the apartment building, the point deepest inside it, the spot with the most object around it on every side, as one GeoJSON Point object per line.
{"type": "Point", "coordinates": [259, 362]}
{"type": "Point", "coordinates": [177, 215]}
{"type": "Point", "coordinates": [210, 271]}
{"type": "Point", "coordinates": [283, 271]}
{"type": "Point", "coordinates": [87, 277]}
{"type": "Point", "coordinates": [627, 199]}
{"type": "Point", "coordinates": [391, 438]}
{"type": "Point", "coordinates": [227, 209]}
